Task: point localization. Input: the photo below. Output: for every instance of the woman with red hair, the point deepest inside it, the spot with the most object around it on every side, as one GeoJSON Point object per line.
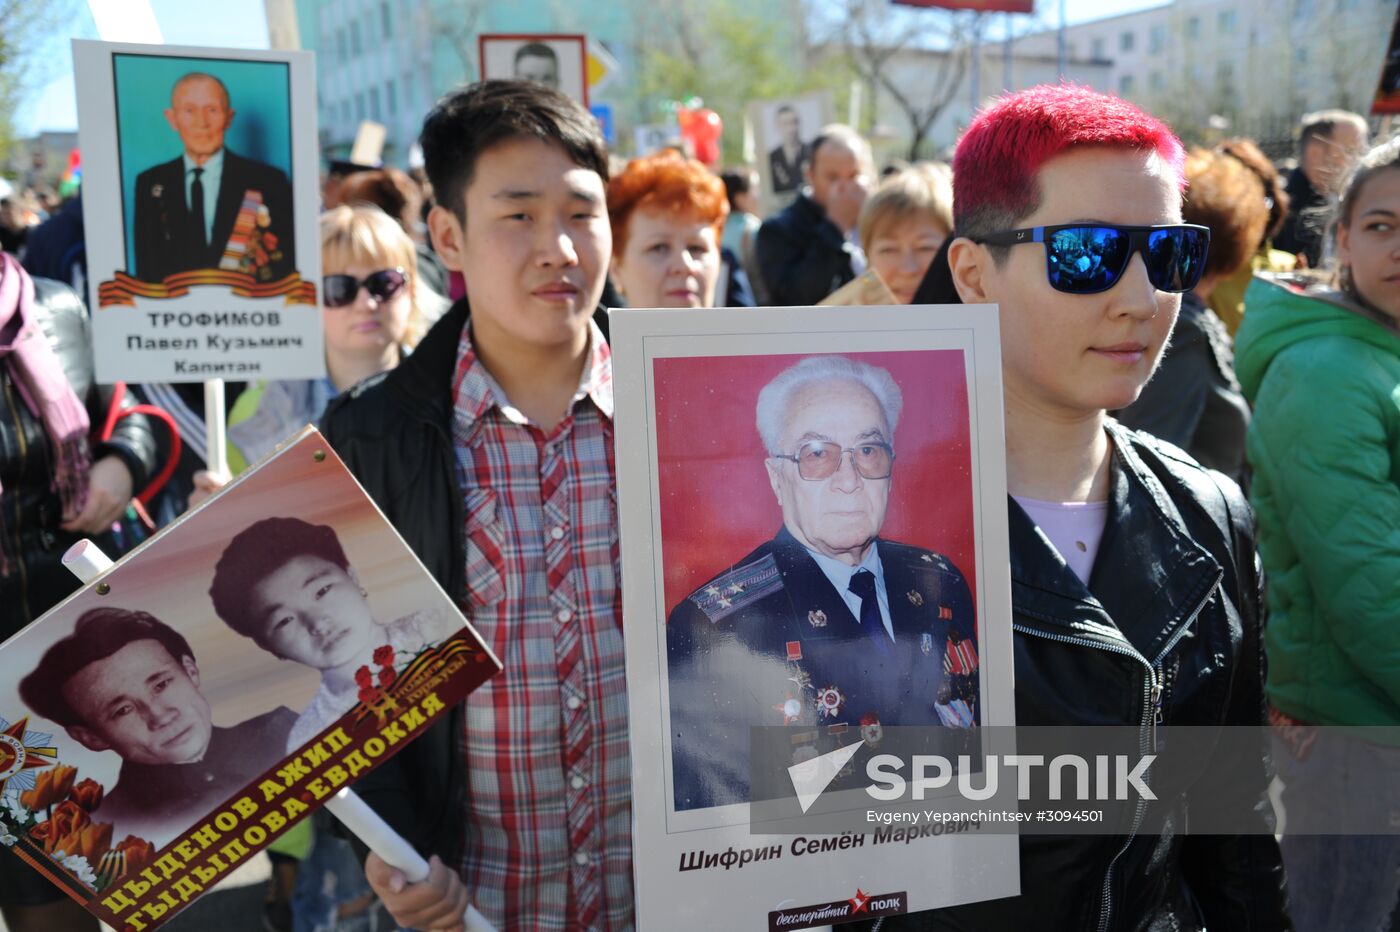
{"type": "Point", "coordinates": [1135, 594]}
{"type": "Point", "coordinates": [667, 214]}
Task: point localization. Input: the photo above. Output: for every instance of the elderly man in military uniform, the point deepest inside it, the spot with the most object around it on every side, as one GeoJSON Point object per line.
{"type": "Point", "coordinates": [827, 626]}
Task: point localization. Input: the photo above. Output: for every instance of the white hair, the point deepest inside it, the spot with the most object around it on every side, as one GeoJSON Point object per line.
{"type": "Point", "coordinates": [775, 397]}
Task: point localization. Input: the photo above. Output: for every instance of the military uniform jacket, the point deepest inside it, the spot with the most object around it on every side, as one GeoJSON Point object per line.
{"type": "Point", "coordinates": [168, 237]}
{"type": "Point", "coordinates": [786, 174]}
{"type": "Point", "coordinates": [771, 642]}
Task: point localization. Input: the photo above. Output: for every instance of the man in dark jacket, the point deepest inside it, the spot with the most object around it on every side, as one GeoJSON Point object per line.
{"type": "Point", "coordinates": [187, 208]}
{"type": "Point", "coordinates": [807, 251]}
{"type": "Point", "coordinates": [1329, 142]}
{"type": "Point", "coordinates": [490, 450]}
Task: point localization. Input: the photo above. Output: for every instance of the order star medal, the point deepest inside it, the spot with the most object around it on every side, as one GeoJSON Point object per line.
{"type": "Point", "coordinates": [817, 618]}
{"type": "Point", "coordinates": [830, 701]}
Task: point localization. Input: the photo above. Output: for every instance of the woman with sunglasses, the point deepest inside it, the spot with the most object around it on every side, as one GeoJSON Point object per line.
{"type": "Point", "coordinates": [1320, 358]}
{"type": "Point", "coordinates": [1134, 596]}
{"type": "Point", "coordinates": [370, 318]}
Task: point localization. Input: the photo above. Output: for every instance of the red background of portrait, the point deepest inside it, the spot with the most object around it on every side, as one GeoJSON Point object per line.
{"type": "Point", "coordinates": [716, 503]}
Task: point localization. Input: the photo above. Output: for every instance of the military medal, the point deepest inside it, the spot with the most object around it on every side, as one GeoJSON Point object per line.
{"type": "Point", "coordinates": [926, 643]}
{"type": "Point", "coordinates": [802, 678]}
{"type": "Point", "coordinates": [871, 729]}
{"type": "Point", "coordinates": [915, 599]}
{"type": "Point", "coordinates": [817, 619]}
{"type": "Point", "coordinates": [794, 651]}
{"type": "Point", "coordinates": [945, 613]}
{"type": "Point", "coordinates": [829, 702]}
{"type": "Point", "coordinates": [791, 709]}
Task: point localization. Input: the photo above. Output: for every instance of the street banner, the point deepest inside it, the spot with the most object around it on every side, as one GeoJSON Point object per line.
{"type": "Point", "coordinates": [813, 525]}
{"type": "Point", "coordinates": [984, 6]}
{"type": "Point", "coordinates": [556, 61]}
{"type": "Point", "coordinates": [200, 199]}
{"type": "Point", "coordinates": [193, 702]}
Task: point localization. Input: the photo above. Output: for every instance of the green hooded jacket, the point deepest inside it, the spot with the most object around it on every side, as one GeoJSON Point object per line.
{"type": "Point", "coordinates": [1324, 378]}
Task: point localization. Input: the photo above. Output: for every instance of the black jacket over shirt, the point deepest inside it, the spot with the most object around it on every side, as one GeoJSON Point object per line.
{"type": "Point", "coordinates": [802, 255]}
{"type": "Point", "coordinates": [394, 432]}
{"type": "Point", "coordinates": [1174, 591]}
{"type": "Point", "coordinates": [168, 235]}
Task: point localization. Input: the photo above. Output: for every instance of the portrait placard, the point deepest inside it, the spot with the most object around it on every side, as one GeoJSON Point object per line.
{"type": "Point", "coordinates": [556, 61]}
{"type": "Point", "coordinates": [187, 707]}
{"type": "Point", "coordinates": [200, 199]}
{"type": "Point", "coordinates": [783, 133]}
{"type": "Point", "coordinates": [813, 525]}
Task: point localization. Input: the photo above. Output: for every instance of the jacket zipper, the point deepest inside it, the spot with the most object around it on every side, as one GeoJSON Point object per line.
{"type": "Point", "coordinates": [1147, 728]}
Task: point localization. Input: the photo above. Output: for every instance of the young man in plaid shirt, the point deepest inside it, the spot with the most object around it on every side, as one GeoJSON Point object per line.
{"type": "Point", "coordinates": [491, 451]}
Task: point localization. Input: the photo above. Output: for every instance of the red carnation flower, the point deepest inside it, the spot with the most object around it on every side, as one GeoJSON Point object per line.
{"type": "Point", "coordinates": [384, 655]}
{"type": "Point", "coordinates": [363, 677]}
{"type": "Point", "coordinates": [386, 677]}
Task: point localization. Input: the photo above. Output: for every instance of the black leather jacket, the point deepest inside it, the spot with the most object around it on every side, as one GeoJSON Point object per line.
{"type": "Point", "coordinates": [30, 510]}
{"type": "Point", "coordinates": [1173, 618]}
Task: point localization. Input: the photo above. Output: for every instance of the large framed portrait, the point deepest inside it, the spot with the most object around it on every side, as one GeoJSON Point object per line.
{"type": "Point", "coordinates": [212, 688]}
{"type": "Point", "coordinates": [200, 207]}
{"type": "Point", "coordinates": [813, 521]}
{"type": "Point", "coordinates": [783, 134]}
{"type": "Point", "coordinates": [551, 59]}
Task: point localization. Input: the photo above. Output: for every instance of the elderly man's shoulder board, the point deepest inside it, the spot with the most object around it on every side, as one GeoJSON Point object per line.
{"type": "Point", "coordinates": [739, 588]}
{"type": "Point", "coordinates": [918, 557]}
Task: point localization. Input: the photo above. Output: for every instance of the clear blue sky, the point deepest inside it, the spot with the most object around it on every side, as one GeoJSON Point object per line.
{"type": "Point", "coordinates": [241, 24]}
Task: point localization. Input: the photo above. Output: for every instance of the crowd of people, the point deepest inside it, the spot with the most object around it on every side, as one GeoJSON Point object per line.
{"type": "Point", "coordinates": [468, 304]}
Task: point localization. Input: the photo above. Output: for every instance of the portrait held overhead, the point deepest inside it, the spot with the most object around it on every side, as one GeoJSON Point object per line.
{"type": "Point", "coordinates": [558, 62]}
{"type": "Point", "coordinates": [829, 622]}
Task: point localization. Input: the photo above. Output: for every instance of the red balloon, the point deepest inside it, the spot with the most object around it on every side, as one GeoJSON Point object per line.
{"type": "Point", "coordinates": [702, 129]}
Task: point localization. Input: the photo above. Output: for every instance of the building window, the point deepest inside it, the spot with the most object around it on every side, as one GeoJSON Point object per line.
{"type": "Point", "coordinates": [408, 90]}
{"type": "Point", "coordinates": [1225, 22]}
{"type": "Point", "coordinates": [340, 45]}
{"type": "Point", "coordinates": [359, 106]}
{"type": "Point", "coordinates": [391, 97]}
{"type": "Point", "coordinates": [1156, 82]}
{"type": "Point", "coordinates": [1125, 85]}
{"type": "Point", "coordinates": [355, 37]}
{"type": "Point", "coordinates": [1224, 72]}
{"type": "Point", "coordinates": [1126, 41]}
{"type": "Point", "coordinates": [345, 110]}
{"type": "Point", "coordinates": [374, 113]}
{"type": "Point", "coordinates": [1300, 55]}
{"type": "Point", "coordinates": [386, 20]}
{"type": "Point", "coordinates": [1157, 39]}
{"type": "Point", "coordinates": [1193, 27]}
{"type": "Point", "coordinates": [1097, 49]}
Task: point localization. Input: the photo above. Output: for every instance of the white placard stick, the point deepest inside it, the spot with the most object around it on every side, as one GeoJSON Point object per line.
{"type": "Point", "coordinates": [216, 430]}
{"type": "Point", "coordinates": [85, 561]}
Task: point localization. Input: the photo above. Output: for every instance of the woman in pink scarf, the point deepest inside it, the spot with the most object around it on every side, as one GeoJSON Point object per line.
{"type": "Point", "coordinates": [56, 485]}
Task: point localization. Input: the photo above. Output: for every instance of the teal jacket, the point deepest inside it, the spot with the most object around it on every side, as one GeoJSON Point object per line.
{"type": "Point", "coordinates": [1324, 377]}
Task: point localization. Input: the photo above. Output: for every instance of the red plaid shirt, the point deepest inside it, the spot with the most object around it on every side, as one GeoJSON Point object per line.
{"type": "Point", "coordinates": [548, 820]}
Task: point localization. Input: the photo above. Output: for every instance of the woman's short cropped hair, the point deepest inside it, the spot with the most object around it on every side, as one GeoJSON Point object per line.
{"type": "Point", "coordinates": [666, 181]}
{"type": "Point", "coordinates": [1000, 155]}
{"type": "Point", "coordinates": [922, 189]}
{"type": "Point", "coordinates": [362, 234]}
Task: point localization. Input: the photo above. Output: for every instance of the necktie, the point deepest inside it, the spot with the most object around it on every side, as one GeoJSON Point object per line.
{"type": "Point", "coordinates": [197, 206]}
{"type": "Point", "coordinates": [871, 623]}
